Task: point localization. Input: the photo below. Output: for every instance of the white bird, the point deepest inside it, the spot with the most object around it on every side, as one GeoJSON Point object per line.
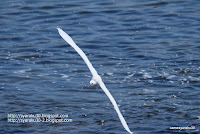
{"type": "Point", "coordinates": [96, 79]}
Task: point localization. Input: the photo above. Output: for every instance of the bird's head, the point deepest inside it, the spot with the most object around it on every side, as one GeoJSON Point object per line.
{"type": "Point", "coordinates": [95, 80]}
{"type": "Point", "coordinates": [93, 83]}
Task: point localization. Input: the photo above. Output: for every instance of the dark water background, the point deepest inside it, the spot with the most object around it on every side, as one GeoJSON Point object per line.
{"type": "Point", "coordinates": [147, 51]}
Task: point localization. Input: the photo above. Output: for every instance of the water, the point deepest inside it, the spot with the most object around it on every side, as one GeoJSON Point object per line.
{"type": "Point", "coordinates": [147, 51]}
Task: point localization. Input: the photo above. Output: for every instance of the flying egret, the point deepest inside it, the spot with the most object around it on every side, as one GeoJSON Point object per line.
{"type": "Point", "coordinates": [96, 79]}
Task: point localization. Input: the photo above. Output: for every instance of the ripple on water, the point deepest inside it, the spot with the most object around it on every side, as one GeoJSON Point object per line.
{"type": "Point", "coordinates": [146, 51]}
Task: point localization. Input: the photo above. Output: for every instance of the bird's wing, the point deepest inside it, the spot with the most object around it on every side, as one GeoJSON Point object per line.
{"type": "Point", "coordinates": [102, 85]}
{"type": "Point", "coordinates": [69, 40]}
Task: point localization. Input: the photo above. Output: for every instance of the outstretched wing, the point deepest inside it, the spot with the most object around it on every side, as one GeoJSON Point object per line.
{"type": "Point", "coordinates": [69, 40]}
{"type": "Point", "coordinates": [102, 85]}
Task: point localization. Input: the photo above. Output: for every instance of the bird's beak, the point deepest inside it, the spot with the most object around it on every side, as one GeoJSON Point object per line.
{"type": "Point", "coordinates": [89, 86]}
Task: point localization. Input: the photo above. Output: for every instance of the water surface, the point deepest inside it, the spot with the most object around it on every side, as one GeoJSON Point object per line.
{"type": "Point", "coordinates": [147, 52]}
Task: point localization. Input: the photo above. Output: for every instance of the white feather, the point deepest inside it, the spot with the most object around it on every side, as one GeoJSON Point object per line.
{"type": "Point", "coordinates": [96, 77]}
{"type": "Point", "coordinates": [69, 40]}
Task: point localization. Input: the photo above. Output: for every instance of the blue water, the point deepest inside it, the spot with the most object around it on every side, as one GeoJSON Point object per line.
{"type": "Point", "coordinates": [148, 53]}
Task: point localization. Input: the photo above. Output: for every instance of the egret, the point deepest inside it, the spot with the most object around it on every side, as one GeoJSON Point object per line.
{"type": "Point", "coordinates": [96, 79]}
